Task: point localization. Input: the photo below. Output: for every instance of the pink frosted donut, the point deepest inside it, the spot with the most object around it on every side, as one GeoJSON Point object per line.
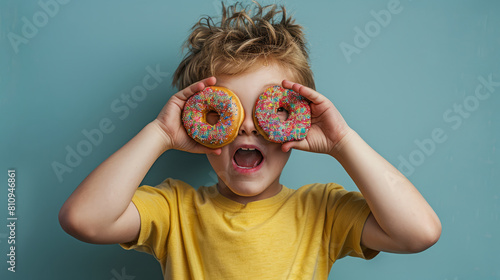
{"type": "Point", "coordinates": [218, 99]}
{"type": "Point", "coordinates": [268, 123]}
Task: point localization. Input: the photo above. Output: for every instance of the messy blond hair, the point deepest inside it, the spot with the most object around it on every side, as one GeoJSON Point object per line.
{"type": "Point", "coordinates": [242, 38]}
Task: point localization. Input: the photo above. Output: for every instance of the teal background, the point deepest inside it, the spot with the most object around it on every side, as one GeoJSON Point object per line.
{"type": "Point", "coordinates": [395, 91]}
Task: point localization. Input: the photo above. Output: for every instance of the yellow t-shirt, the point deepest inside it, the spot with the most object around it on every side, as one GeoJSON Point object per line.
{"type": "Point", "coordinates": [296, 234]}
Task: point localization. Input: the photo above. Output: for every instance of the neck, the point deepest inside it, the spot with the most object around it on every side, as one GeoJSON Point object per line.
{"type": "Point", "coordinates": [267, 193]}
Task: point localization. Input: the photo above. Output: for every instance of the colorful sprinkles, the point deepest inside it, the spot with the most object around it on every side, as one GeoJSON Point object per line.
{"type": "Point", "coordinates": [295, 127]}
{"type": "Point", "coordinates": [195, 112]}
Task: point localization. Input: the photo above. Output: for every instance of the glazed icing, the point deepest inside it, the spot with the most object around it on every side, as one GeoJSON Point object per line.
{"type": "Point", "coordinates": [196, 109]}
{"type": "Point", "coordinates": [295, 127]}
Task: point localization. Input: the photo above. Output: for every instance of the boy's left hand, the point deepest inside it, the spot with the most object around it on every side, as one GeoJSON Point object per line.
{"type": "Point", "coordinates": [328, 126]}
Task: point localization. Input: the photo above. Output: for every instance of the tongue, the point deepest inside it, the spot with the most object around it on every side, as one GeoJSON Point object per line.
{"type": "Point", "coordinates": [247, 158]}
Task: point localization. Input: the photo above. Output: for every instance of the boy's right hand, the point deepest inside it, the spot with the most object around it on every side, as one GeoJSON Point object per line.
{"type": "Point", "coordinates": [101, 210]}
{"type": "Point", "coordinates": [169, 121]}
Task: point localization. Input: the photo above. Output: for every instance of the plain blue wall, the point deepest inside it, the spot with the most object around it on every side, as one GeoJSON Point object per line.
{"type": "Point", "coordinates": [64, 69]}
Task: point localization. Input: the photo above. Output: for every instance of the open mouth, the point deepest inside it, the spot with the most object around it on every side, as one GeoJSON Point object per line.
{"type": "Point", "coordinates": [248, 158]}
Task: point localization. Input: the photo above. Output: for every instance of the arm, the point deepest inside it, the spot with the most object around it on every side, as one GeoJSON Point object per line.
{"type": "Point", "coordinates": [401, 220]}
{"type": "Point", "coordinates": [100, 210]}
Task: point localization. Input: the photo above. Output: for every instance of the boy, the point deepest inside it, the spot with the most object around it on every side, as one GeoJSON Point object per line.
{"type": "Point", "coordinates": [248, 225]}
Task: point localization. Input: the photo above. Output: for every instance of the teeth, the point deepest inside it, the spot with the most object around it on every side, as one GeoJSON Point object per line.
{"type": "Point", "coordinates": [247, 149]}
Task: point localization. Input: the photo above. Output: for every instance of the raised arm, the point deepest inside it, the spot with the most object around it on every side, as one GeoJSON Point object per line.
{"type": "Point", "coordinates": [100, 210]}
{"type": "Point", "coordinates": [401, 221]}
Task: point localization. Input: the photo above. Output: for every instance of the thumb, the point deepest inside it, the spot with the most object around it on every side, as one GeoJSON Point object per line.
{"type": "Point", "coordinates": [192, 146]}
{"type": "Point", "coordinates": [299, 145]}
{"type": "Point", "coordinates": [200, 149]}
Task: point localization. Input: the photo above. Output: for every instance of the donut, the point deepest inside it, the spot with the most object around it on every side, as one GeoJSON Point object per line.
{"type": "Point", "coordinates": [218, 99]}
{"type": "Point", "coordinates": [267, 121]}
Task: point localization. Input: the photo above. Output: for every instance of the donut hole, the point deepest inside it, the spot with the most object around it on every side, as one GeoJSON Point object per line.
{"type": "Point", "coordinates": [212, 117]}
{"type": "Point", "coordinates": [283, 113]}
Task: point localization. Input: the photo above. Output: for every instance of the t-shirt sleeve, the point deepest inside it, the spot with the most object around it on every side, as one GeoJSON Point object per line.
{"type": "Point", "coordinates": [347, 213]}
{"type": "Point", "coordinates": [154, 206]}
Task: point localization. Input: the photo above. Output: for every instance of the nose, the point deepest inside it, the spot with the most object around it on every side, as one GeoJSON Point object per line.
{"type": "Point", "coordinates": [248, 127]}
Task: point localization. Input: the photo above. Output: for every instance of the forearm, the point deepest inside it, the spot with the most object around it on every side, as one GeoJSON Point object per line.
{"type": "Point", "coordinates": [398, 207]}
{"type": "Point", "coordinates": [104, 195]}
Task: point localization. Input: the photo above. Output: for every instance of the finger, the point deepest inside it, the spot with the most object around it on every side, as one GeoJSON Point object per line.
{"type": "Point", "coordinates": [205, 150]}
{"type": "Point", "coordinates": [287, 84]}
{"type": "Point", "coordinates": [299, 145]}
{"type": "Point", "coordinates": [200, 149]}
{"type": "Point", "coordinates": [309, 93]}
{"type": "Point", "coordinates": [196, 87]}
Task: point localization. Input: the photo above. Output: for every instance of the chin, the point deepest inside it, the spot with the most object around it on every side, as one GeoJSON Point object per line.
{"type": "Point", "coordinates": [246, 191]}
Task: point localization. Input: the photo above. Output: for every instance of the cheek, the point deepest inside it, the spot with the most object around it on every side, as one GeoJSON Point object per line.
{"type": "Point", "coordinates": [278, 157]}
{"type": "Point", "coordinates": [215, 162]}
{"type": "Point", "coordinates": [221, 161]}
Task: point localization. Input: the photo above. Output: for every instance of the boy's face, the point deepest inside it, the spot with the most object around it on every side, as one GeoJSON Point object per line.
{"type": "Point", "coordinates": [244, 174]}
